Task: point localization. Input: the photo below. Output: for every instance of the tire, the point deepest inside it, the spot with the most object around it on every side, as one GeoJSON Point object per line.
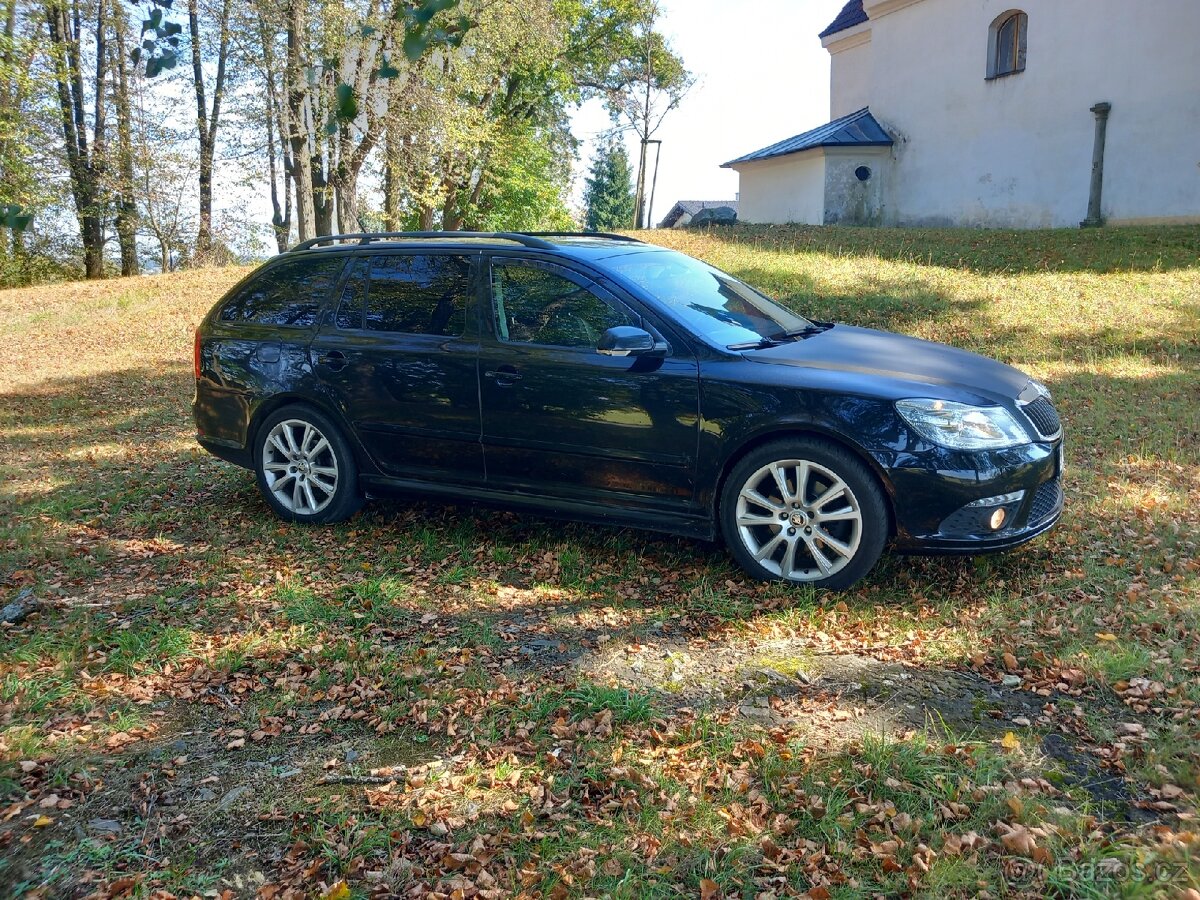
{"type": "Point", "coordinates": [829, 536]}
{"type": "Point", "coordinates": [305, 468]}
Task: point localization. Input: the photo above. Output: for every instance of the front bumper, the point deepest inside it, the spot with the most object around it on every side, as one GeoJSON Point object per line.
{"type": "Point", "coordinates": [935, 492]}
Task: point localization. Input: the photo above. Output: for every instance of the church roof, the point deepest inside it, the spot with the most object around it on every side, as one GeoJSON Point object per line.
{"type": "Point", "coordinates": [852, 14]}
{"type": "Point", "coordinates": [859, 129]}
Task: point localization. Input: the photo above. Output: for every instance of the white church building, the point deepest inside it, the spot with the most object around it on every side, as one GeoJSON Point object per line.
{"type": "Point", "coordinates": [978, 113]}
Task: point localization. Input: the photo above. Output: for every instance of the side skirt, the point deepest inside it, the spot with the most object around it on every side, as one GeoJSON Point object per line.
{"type": "Point", "coordinates": [680, 524]}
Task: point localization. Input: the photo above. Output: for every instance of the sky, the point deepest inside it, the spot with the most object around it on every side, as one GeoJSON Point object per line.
{"type": "Point", "coordinates": [761, 76]}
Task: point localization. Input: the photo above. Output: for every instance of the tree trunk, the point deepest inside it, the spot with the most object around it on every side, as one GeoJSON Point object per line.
{"type": "Point", "coordinates": [451, 218]}
{"type": "Point", "coordinates": [347, 204]}
{"type": "Point", "coordinates": [281, 214]}
{"type": "Point", "coordinates": [127, 216]}
{"type": "Point", "coordinates": [85, 164]}
{"type": "Point", "coordinates": [207, 122]}
{"type": "Point", "coordinates": [91, 229]}
{"type": "Point", "coordinates": [322, 199]}
{"type": "Point", "coordinates": [297, 92]}
{"type": "Point", "coordinates": [392, 144]}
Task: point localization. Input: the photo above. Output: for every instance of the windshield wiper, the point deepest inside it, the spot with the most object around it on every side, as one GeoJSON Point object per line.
{"type": "Point", "coordinates": [760, 344]}
{"type": "Point", "coordinates": [783, 337]}
{"type": "Point", "coordinates": [807, 331]}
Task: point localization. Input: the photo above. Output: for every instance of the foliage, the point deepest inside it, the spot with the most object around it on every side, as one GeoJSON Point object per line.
{"type": "Point", "coordinates": [430, 700]}
{"type": "Point", "coordinates": [526, 190]}
{"type": "Point", "coordinates": [609, 194]}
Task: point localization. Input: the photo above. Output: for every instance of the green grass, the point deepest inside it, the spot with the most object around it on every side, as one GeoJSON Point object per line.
{"type": "Point", "coordinates": [517, 678]}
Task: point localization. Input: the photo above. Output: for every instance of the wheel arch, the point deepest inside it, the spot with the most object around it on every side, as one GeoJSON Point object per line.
{"type": "Point", "coordinates": [803, 430]}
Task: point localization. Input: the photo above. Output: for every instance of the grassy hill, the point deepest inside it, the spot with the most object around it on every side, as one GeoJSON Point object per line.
{"type": "Point", "coordinates": [436, 698]}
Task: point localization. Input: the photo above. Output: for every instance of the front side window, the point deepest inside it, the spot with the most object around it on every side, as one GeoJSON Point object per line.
{"type": "Point", "coordinates": [418, 294]}
{"type": "Point", "coordinates": [708, 301]}
{"type": "Point", "coordinates": [288, 295]}
{"type": "Point", "coordinates": [536, 306]}
{"type": "Point", "coordinates": [1008, 44]}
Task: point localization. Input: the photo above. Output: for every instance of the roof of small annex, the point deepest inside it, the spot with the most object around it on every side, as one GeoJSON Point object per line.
{"type": "Point", "coordinates": [859, 129]}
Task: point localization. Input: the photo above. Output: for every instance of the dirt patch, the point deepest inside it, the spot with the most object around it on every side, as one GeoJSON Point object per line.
{"type": "Point", "coordinates": [830, 698]}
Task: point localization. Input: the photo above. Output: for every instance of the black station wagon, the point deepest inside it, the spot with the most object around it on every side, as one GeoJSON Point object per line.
{"type": "Point", "coordinates": [599, 378]}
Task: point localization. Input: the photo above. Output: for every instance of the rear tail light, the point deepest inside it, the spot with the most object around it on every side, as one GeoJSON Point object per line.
{"type": "Point", "coordinates": [196, 354]}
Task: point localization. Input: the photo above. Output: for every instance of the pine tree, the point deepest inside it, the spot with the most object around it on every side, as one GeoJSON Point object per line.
{"type": "Point", "coordinates": [609, 194]}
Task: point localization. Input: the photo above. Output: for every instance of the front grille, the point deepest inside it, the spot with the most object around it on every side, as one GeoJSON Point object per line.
{"type": "Point", "coordinates": [1046, 502]}
{"type": "Point", "coordinates": [1044, 417]}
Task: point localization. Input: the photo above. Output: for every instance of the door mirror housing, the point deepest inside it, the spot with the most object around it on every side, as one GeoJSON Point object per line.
{"type": "Point", "coordinates": [626, 340]}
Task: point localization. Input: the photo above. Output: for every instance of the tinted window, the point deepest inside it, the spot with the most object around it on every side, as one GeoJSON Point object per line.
{"type": "Point", "coordinates": [710, 302]}
{"type": "Point", "coordinates": [534, 306]}
{"type": "Point", "coordinates": [419, 294]}
{"type": "Point", "coordinates": [354, 295]}
{"type": "Point", "coordinates": [289, 294]}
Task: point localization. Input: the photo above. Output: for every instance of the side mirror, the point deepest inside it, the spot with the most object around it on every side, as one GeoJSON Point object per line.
{"type": "Point", "coordinates": [626, 340]}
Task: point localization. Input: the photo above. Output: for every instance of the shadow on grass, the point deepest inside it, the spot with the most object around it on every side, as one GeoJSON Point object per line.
{"type": "Point", "coordinates": [984, 251]}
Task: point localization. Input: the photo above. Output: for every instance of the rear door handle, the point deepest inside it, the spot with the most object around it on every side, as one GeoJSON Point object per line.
{"type": "Point", "coordinates": [334, 359]}
{"type": "Point", "coordinates": [504, 375]}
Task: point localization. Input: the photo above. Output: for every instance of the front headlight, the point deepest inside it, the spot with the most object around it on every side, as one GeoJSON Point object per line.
{"type": "Point", "coordinates": [962, 427]}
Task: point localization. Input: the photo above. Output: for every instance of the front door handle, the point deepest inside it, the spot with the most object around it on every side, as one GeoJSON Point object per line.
{"type": "Point", "coordinates": [504, 375]}
{"type": "Point", "coordinates": [334, 359]}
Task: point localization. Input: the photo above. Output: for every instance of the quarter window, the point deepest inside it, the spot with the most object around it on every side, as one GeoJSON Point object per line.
{"type": "Point", "coordinates": [354, 295]}
{"type": "Point", "coordinates": [1007, 43]}
{"type": "Point", "coordinates": [419, 294]}
{"type": "Point", "coordinates": [535, 306]}
{"type": "Point", "coordinates": [288, 295]}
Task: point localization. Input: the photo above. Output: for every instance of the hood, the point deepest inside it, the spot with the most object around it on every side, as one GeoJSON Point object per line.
{"type": "Point", "coordinates": [896, 365]}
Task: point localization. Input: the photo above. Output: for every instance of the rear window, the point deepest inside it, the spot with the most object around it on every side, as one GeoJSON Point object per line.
{"type": "Point", "coordinates": [418, 294]}
{"type": "Point", "coordinates": [288, 295]}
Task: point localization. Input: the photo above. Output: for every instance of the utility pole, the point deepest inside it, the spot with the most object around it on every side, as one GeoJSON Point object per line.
{"type": "Point", "coordinates": [640, 204]}
{"type": "Point", "coordinates": [640, 193]}
{"type": "Point", "coordinates": [653, 184]}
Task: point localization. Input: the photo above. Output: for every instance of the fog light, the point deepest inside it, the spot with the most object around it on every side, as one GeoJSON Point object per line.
{"type": "Point", "coordinates": [996, 522]}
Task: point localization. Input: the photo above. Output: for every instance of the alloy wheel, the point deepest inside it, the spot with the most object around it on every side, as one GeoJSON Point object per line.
{"type": "Point", "coordinates": [299, 467]}
{"type": "Point", "coordinates": [800, 520]}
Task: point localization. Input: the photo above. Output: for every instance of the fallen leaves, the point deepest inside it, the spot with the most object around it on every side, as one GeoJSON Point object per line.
{"type": "Point", "coordinates": [447, 634]}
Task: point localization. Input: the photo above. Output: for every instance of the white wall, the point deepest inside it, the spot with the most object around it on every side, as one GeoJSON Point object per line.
{"type": "Point", "coordinates": [1017, 151]}
{"type": "Point", "coordinates": [850, 71]}
{"type": "Point", "coordinates": [783, 190]}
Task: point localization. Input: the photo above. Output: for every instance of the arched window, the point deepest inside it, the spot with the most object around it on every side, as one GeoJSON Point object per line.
{"type": "Point", "coordinates": [1006, 44]}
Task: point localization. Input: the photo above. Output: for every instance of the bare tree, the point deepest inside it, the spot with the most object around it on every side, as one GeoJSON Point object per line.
{"type": "Point", "coordinates": [164, 163]}
{"type": "Point", "coordinates": [208, 120]}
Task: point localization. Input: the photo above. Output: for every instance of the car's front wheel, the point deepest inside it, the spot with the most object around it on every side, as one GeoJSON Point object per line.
{"type": "Point", "coordinates": [805, 511]}
{"type": "Point", "coordinates": [305, 468]}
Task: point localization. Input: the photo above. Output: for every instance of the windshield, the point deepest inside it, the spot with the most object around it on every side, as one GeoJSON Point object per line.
{"type": "Point", "coordinates": [712, 304]}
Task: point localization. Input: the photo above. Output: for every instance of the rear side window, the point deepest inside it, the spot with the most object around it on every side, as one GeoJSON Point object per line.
{"type": "Point", "coordinates": [419, 294]}
{"type": "Point", "coordinates": [288, 295]}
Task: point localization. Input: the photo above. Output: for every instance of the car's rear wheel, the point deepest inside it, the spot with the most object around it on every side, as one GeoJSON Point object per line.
{"type": "Point", "coordinates": [805, 511]}
{"type": "Point", "coordinates": [305, 468]}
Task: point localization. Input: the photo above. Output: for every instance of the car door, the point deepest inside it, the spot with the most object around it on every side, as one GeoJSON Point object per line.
{"type": "Point", "coordinates": [561, 419]}
{"type": "Point", "coordinates": [398, 357]}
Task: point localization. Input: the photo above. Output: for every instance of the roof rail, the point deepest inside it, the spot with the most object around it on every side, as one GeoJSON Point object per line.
{"type": "Point", "coordinates": [528, 240]}
{"type": "Point", "coordinates": [605, 235]}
